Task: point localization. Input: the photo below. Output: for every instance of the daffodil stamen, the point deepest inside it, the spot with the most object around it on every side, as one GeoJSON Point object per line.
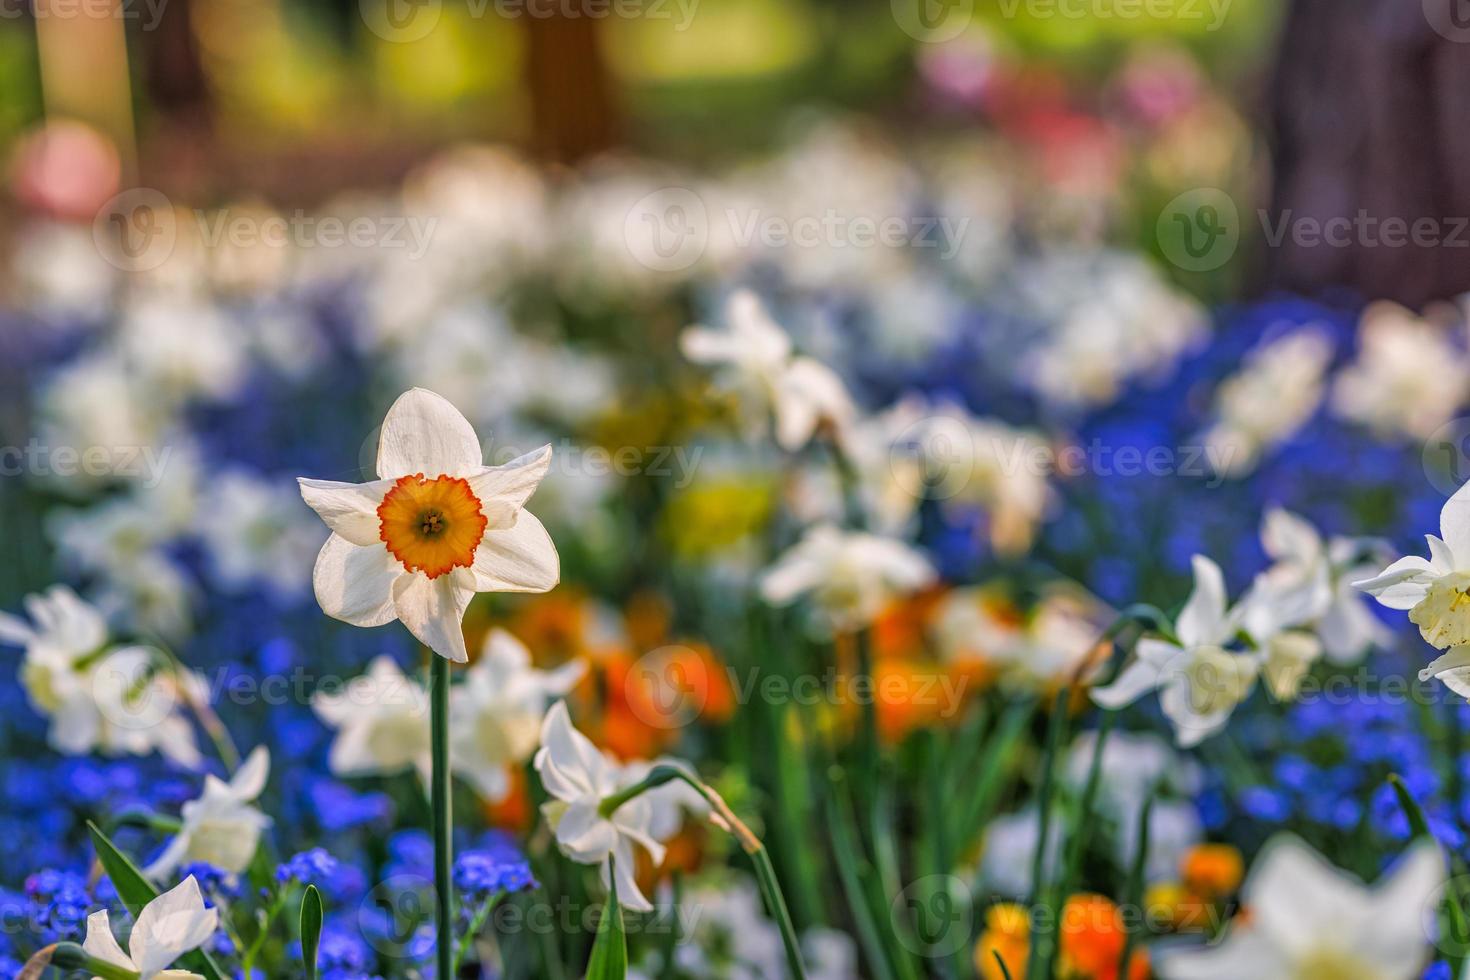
{"type": "Point", "coordinates": [432, 526]}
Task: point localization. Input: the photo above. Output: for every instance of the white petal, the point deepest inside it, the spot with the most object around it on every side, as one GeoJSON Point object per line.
{"type": "Point", "coordinates": [425, 434]}
{"type": "Point", "coordinates": [1244, 952]}
{"type": "Point", "coordinates": [249, 780]}
{"type": "Point", "coordinates": [170, 926]}
{"type": "Point", "coordinates": [1441, 558]}
{"type": "Point", "coordinates": [170, 858]}
{"type": "Point", "coordinates": [583, 834]}
{"type": "Point", "coordinates": [101, 943]}
{"type": "Point", "coordinates": [630, 896]}
{"type": "Point", "coordinates": [704, 345]}
{"type": "Point", "coordinates": [503, 490]}
{"type": "Point", "coordinates": [569, 764]}
{"type": "Point", "coordinates": [1403, 909]}
{"type": "Point", "coordinates": [1402, 585]}
{"type": "Point", "coordinates": [1133, 683]}
{"type": "Point", "coordinates": [1203, 617]}
{"type": "Point", "coordinates": [1452, 669]}
{"type": "Point", "coordinates": [349, 509]}
{"type": "Point", "coordinates": [355, 584]}
{"type": "Point", "coordinates": [1454, 526]}
{"type": "Point", "coordinates": [15, 631]}
{"type": "Point", "coordinates": [521, 558]}
{"type": "Point", "coordinates": [1298, 898]}
{"type": "Point", "coordinates": [1288, 537]}
{"type": "Point", "coordinates": [433, 611]}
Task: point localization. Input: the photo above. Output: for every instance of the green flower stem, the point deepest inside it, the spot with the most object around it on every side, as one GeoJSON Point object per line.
{"type": "Point", "coordinates": [482, 915]}
{"type": "Point", "coordinates": [443, 817]}
{"type": "Point", "coordinates": [67, 957]}
{"type": "Point", "coordinates": [1040, 892]}
{"type": "Point", "coordinates": [749, 843]}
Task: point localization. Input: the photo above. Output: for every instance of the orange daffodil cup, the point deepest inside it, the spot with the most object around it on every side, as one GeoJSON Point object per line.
{"type": "Point", "coordinates": [436, 527]}
{"type": "Point", "coordinates": [415, 545]}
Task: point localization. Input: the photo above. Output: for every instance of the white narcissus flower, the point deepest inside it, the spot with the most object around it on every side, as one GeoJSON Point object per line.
{"type": "Point", "coordinates": [580, 778]}
{"type": "Point", "coordinates": [221, 827]}
{"type": "Point", "coordinates": [1275, 393]}
{"type": "Point", "coordinates": [851, 575]}
{"type": "Point", "coordinates": [98, 697]}
{"type": "Point", "coordinates": [1310, 919]}
{"type": "Point", "coordinates": [1310, 584]}
{"type": "Point", "coordinates": [498, 712]}
{"type": "Point", "coordinates": [1436, 590]}
{"type": "Point", "coordinates": [435, 528]}
{"type": "Point", "coordinates": [756, 362]}
{"type": "Point", "coordinates": [1410, 376]}
{"type": "Point", "coordinates": [382, 723]}
{"type": "Point", "coordinates": [1199, 681]}
{"type": "Point", "coordinates": [171, 925]}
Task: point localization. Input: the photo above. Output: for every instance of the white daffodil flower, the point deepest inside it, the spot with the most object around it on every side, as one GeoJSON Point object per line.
{"type": "Point", "coordinates": [1310, 584]}
{"type": "Point", "coordinates": [1436, 591]}
{"type": "Point", "coordinates": [1277, 391]}
{"type": "Point", "coordinates": [756, 362]}
{"type": "Point", "coordinates": [98, 697]}
{"type": "Point", "coordinates": [382, 723]}
{"type": "Point", "coordinates": [171, 925]}
{"type": "Point", "coordinates": [1310, 919]}
{"type": "Point", "coordinates": [435, 528]}
{"type": "Point", "coordinates": [580, 778]}
{"type": "Point", "coordinates": [851, 575]}
{"type": "Point", "coordinates": [1410, 376]}
{"type": "Point", "coordinates": [221, 827]}
{"type": "Point", "coordinates": [1199, 681]}
{"type": "Point", "coordinates": [498, 712]}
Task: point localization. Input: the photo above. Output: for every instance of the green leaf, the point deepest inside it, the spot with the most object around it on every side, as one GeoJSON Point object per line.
{"type": "Point", "coordinates": [311, 928]}
{"type": "Point", "coordinates": [609, 960]}
{"type": "Point", "coordinates": [1417, 824]}
{"type": "Point", "coordinates": [136, 891]}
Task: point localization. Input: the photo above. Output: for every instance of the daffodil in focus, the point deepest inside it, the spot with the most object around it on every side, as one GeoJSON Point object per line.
{"type": "Point", "coordinates": [1436, 590]}
{"type": "Point", "coordinates": [850, 575]}
{"type": "Point", "coordinates": [756, 363]}
{"type": "Point", "coordinates": [1199, 680]}
{"type": "Point", "coordinates": [580, 778]}
{"type": "Point", "coordinates": [171, 925]}
{"type": "Point", "coordinates": [222, 827]}
{"type": "Point", "coordinates": [498, 712]}
{"type": "Point", "coordinates": [113, 699]}
{"type": "Point", "coordinates": [381, 720]}
{"type": "Point", "coordinates": [436, 527]}
{"type": "Point", "coordinates": [1308, 920]}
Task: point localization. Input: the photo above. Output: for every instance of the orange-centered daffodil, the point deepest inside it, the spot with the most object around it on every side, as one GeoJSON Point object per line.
{"type": "Point", "coordinates": [432, 526]}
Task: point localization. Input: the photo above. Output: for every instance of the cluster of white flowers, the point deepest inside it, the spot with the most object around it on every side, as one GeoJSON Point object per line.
{"type": "Point", "coordinates": [1303, 601]}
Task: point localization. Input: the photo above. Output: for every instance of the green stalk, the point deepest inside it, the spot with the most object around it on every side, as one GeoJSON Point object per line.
{"type": "Point", "coordinates": [749, 843]}
{"type": "Point", "coordinates": [443, 817]}
{"type": "Point", "coordinates": [476, 924]}
{"type": "Point", "coordinates": [1039, 891]}
{"type": "Point", "coordinates": [1134, 898]}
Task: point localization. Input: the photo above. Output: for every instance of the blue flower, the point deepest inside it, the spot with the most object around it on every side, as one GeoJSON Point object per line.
{"type": "Point", "coordinates": [309, 867]}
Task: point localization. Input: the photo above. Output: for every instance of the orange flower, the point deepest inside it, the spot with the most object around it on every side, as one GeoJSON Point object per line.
{"type": "Point", "coordinates": [515, 811]}
{"type": "Point", "coordinates": [1008, 935]}
{"type": "Point", "coordinates": [1212, 870]}
{"type": "Point", "coordinates": [1093, 935]}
